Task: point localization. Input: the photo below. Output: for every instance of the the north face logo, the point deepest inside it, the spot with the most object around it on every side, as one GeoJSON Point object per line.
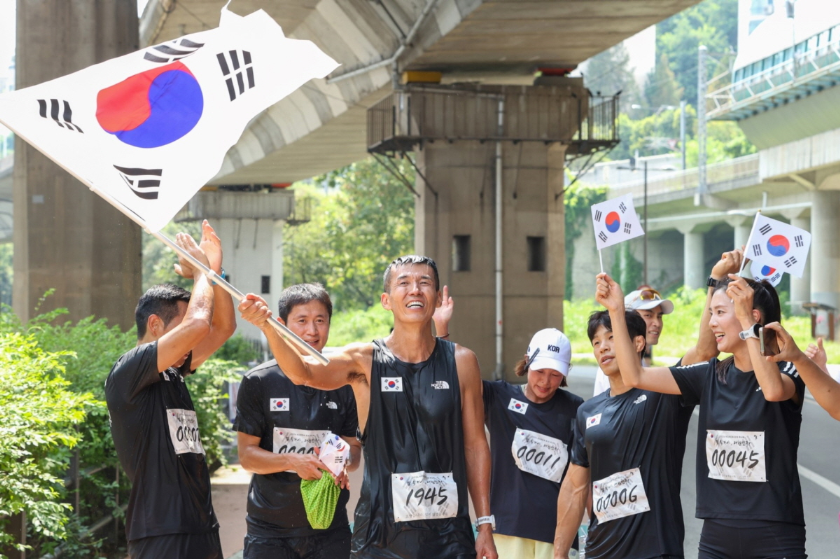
{"type": "Point", "coordinates": [440, 385]}
{"type": "Point", "coordinates": [332, 405]}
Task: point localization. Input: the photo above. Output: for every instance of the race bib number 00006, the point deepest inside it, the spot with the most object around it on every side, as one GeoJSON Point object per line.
{"type": "Point", "coordinates": [297, 441]}
{"type": "Point", "coordinates": [423, 496]}
{"type": "Point", "coordinates": [540, 455]}
{"type": "Point", "coordinates": [183, 430]}
{"type": "Point", "coordinates": [622, 494]}
{"type": "Point", "coordinates": [736, 455]}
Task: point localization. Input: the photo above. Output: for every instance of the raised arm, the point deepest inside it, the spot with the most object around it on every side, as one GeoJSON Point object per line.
{"type": "Point", "coordinates": [706, 348]}
{"type": "Point", "coordinates": [344, 367]}
{"type": "Point", "coordinates": [476, 450]}
{"type": "Point", "coordinates": [657, 379]}
{"type": "Point", "coordinates": [224, 320]}
{"type": "Point", "coordinates": [574, 494]}
{"type": "Point", "coordinates": [775, 386]}
{"type": "Point", "coordinates": [443, 314]}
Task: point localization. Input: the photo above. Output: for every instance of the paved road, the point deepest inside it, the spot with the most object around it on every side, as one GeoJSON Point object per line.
{"type": "Point", "coordinates": [819, 458]}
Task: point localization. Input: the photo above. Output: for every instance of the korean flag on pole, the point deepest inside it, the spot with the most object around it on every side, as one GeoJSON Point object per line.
{"type": "Point", "coordinates": [150, 128]}
{"type": "Point", "coordinates": [778, 245]}
{"type": "Point", "coordinates": [615, 221]}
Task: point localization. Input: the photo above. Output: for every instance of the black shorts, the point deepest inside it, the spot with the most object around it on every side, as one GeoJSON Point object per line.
{"type": "Point", "coordinates": [178, 546]}
{"type": "Point", "coordinates": [751, 539]}
{"type": "Point", "coordinates": [333, 544]}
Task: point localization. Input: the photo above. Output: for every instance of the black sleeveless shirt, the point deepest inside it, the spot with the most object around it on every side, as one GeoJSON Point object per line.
{"type": "Point", "coordinates": [414, 425]}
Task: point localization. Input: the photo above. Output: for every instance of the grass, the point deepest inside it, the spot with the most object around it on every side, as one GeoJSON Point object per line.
{"type": "Point", "coordinates": [680, 329]}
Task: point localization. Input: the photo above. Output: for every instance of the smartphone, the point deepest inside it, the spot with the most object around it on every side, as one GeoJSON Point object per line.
{"type": "Point", "coordinates": [768, 342]}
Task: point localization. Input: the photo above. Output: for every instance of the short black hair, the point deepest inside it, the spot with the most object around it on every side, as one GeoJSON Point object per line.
{"type": "Point", "coordinates": [409, 260]}
{"type": "Point", "coordinates": [300, 294]}
{"type": "Point", "coordinates": [160, 300]}
{"type": "Point", "coordinates": [636, 325]}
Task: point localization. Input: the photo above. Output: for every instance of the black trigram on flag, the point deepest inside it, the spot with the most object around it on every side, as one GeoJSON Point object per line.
{"type": "Point", "coordinates": [236, 67]}
{"type": "Point", "coordinates": [171, 51]}
{"type": "Point", "coordinates": [145, 183]}
{"type": "Point", "coordinates": [627, 228]}
{"type": "Point", "coordinates": [602, 236]}
{"type": "Point", "coordinates": [59, 111]}
{"type": "Point", "coordinates": [765, 229]}
{"type": "Point", "coordinates": [798, 240]}
{"type": "Point", "coordinates": [757, 250]}
{"type": "Point", "coordinates": [790, 261]}
{"type": "Point", "coordinates": [622, 207]}
{"type": "Point", "coordinates": [598, 215]}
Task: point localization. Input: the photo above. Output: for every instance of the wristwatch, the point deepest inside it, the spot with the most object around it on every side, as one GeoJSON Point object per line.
{"type": "Point", "coordinates": [751, 332]}
{"type": "Point", "coordinates": [711, 282]}
{"type": "Point", "coordinates": [491, 520]}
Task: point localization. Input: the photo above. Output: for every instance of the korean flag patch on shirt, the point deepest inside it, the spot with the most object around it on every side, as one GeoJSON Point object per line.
{"type": "Point", "coordinates": [594, 420]}
{"type": "Point", "coordinates": [392, 384]}
{"type": "Point", "coordinates": [517, 406]}
{"type": "Point", "coordinates": [278, 404]}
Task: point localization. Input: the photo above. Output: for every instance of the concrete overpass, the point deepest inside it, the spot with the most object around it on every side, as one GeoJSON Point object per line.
{"type": "Point", "coordinates": [476, 46]}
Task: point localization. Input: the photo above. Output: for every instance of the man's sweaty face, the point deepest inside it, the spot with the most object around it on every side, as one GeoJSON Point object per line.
{"type": "Point", "coordinates": [412, 292]}
{"type": "Point", "coordinates": [653, 319]}
{"type": "Point", "coordinates": [310, 321]}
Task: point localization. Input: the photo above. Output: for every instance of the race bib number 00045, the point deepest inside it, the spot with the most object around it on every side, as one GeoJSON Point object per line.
{"type": "Point", "coordinates": [297, 441]}
{"type": "Point", "coordinates": [183, 430]}
{"type": "Point", "coordinates": [622, 494]}
{"type": "Point", "coordinates": [540, 455]}
{"type": "Point", "coordinates": [423, 496]}
{"type": "Point", "coordinates": [736, 455]}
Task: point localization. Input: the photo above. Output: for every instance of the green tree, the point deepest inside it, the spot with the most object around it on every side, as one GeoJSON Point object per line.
{"type": "Point", "coordinates": [159, 259]}
{"type": "Point", "coordinates": [577, 199]}
{"type": "Point", "coordinates": [609, 73]}
{"type": "Point", "coordinates": [661, 86]}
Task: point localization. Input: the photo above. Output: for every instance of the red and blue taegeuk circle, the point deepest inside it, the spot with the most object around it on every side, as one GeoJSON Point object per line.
{"type": "Point", "coordinates": [778, 245]}
{"type": "Point", "coordinates": [152, 108]}
{"type": "Point", "coordinates": [613, 222]}
{"type": "Point", "coordinates": [767, 271]}
{"type": "Point", "coordinates": [391, 384]}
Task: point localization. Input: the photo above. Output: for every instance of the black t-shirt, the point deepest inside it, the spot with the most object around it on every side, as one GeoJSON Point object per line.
{"type": "Point", "coordinates": [750, 444]}
{"type": "Point", "coordinates": [640, 433]}
{"type": "Point", "coordinates": [289, 418]}
{"type": "Point", "coordinates": [538, 437]}
{"type": "Point", "coordinates": [156, 436]}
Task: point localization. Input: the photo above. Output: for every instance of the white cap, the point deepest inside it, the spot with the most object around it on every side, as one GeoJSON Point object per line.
{"type": "Point", "coordinates": [646, 299]}
{"type": "Point", "coordinates": [550, 349]}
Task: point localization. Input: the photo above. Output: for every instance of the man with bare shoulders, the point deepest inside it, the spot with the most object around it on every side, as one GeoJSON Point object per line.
{"type": "Point", "coordinates": [421, 417]}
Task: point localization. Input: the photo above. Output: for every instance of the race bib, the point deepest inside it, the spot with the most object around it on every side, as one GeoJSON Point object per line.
{"type": "Point", "coordinates": [423, 496]}
{"type": "Point", "coordinates": [540, 455]}
{"type": "Point", "coordinates": [297, 441]}
{"type": "Point", "coordinates": [622, 494]}
{"type": "Point", "coordinates": [183, 430]}
{"type": "Point", "coordinates": [736, 455]}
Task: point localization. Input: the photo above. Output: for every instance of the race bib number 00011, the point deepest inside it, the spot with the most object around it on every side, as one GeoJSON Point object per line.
{"type": "Point", "coordinates": [183, 430]}
{"type": "Point", "coordinates": [423, 496]}
{"type": "Point", "coordinates": [619, 495]}
{"type": "Point", "coordinates": [297, 441]}
{"type": "Point", "coordinates": [540, 455]}
{"type": "Point", "coordinates": [736, 455]}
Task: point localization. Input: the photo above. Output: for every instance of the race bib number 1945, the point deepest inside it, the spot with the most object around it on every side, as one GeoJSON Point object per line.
{"type": "Point", "coordinates": [421, 496]}
{"type": "Point", "coordinates": [736, 455]}
{"type": "Point", "coordinates": [183, 430]}
{"type": "Point", "coordinates": [619, 495]}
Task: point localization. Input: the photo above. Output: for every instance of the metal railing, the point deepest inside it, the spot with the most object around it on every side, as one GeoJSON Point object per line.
{"type": "Point", "coordinates": [730, 171]}
{"type": "Point", "coordinates": [802, 68]}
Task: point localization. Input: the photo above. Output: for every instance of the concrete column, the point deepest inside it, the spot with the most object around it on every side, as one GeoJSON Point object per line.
{"type": "Point", "coordinates": [277, 258]}
{"type": "Point", "coordinates": [825, 251]}
{"type": "Point", "coordinates": [66, 237]}
{"type": "Point", "coordinates": [742, 234]}
{"type": "Point", "coordinates": [693, 266]}
{"type": "Point", "coordinates": [800, 288]}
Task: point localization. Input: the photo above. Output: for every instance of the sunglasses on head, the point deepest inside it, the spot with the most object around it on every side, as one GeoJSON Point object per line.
{"type": "Point", "coordinates": [650, 295]}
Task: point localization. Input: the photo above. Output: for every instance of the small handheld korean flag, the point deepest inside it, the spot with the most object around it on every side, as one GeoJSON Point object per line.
{"type": "Point", "coordinates": [764, 272]}
{"type": "Point", "coordinates": [778, 245]}
{"type": "Point", "coordinates": [150, 128]}
{"type": "Point", "coordinates": [615, 221]}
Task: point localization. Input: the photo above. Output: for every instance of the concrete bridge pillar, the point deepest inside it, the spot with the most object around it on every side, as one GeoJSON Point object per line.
{"type": "Point", "coordinates": [65, 237]}
{"type": "Point", "coordinates": [800, 288]}
{"type": "Point", "coordinates": [825, 250]}
{"type": "Point", "coordinates": [694, 268]}
{"type": "Point", "coordinates": [742, 233]}
{"type": "Point", "coordinates": [455, 225]}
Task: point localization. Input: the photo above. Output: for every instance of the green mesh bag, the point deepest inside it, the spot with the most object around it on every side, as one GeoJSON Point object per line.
{"type": "Point", "coordinates": [320, 497]}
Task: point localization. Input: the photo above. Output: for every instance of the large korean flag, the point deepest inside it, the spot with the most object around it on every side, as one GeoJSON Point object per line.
{"type": "Point", "coordinates": [778, 245]}
{"type": "Point", "coordinates": [615, 221]}
{"type": "Point", "coordinates": [150, 128]}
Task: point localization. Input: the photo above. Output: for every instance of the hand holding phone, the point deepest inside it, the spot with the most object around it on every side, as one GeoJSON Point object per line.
{"type": "Point", "coordinates": [768, 342]}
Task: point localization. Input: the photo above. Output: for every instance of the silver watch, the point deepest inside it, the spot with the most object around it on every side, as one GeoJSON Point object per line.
{"type": "Point", "coordinates": [751, 332]}
{"type": "Point", "coordinates": [491, 520]}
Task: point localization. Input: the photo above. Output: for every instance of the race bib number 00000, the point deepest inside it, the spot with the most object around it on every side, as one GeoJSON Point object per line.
{"type": "Point", "coordinates": [622, 494]}
{"type": "Point", "coordinates": [423, 496]}
{"type": "Point", "coordinates": [736, 455]}
{"type": "Point", "coordinates": [297, 441]}
{"type": "Point", "coordinates": [183, 430]}
{"type": "Point", "coordinates": [540, 455]}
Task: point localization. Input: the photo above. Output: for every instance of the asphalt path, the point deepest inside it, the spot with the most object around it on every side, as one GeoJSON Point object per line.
{"type": "Point", "coordinates": [819, 468]}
